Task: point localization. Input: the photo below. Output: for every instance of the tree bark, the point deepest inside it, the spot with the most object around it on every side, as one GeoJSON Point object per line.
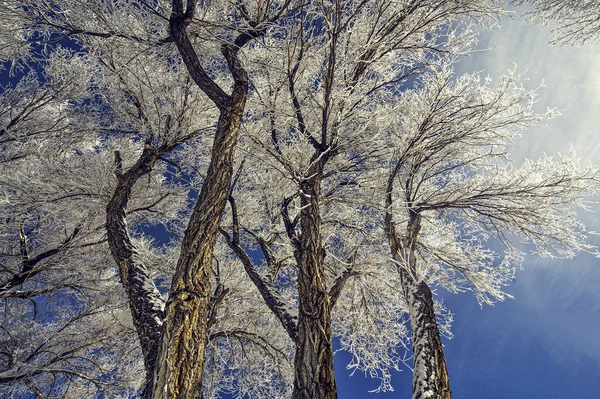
{"type": "Point", "coordinates": [145, 301]}
{"type": "Point", "coordinates": [268, 292]}
{"type": "Point", "coordinates": [430, 375]}
{"type": "Point", "coordinates": [185, 334]}
{"type": "Point", "coordinates": [314, 377]}
{"type": "Point", "coordinates": [181, 361]}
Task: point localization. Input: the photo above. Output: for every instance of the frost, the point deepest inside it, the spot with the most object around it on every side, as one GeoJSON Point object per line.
{"type": "Point", "coordinates": [364, 166]}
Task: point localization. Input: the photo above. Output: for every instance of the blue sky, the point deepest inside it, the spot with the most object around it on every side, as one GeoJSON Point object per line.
{"type": "Point", "coordinates": [544, 343]}
{"type": "Point", "coordinates": [541, 345]}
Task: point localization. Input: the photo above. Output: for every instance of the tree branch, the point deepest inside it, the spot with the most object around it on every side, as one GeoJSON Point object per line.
{"type": "Point", "coordinates": [271, 296]}
{"type": "Point", "coordinates": [178, 24]}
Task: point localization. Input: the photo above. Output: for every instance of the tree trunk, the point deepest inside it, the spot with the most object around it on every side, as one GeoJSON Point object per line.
{"type": "Point", "coordinates": [314, 377]}
{"type": "Point", "coordinates": [430, 375]}
{"type": "Point", "coordinates": [181, 358]}
{"type": "Point", "coordinates": [145, 301]}
{"type": "Point", "coordinates": [185, 334]}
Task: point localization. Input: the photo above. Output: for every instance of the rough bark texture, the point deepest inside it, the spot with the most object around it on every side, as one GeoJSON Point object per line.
{"type": "Point", "coordinates": [145, 301]}
{"type": "Point", "coordinates": [185, 335]}
{"type": "Point", "coordinates": [314, 378]}
{"type": "Point", "coordinates": [430, 375]}
{"type": "Point", "coordinates": [181, 362]}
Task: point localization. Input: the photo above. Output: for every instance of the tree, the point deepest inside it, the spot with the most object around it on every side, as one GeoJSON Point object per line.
{"type": "Point", "coordinates": [61, 333]}
{"type": "Point", "coordinates": [126, 104]}
{"type": "Point", "coordinates": [451, 192]}
{"type": "Point", "coordinates": [575, 21]}
{"type": "Point", "coordinates": [58, 197]}
{"type": "Point", "coordinates": [181, 365]}
{"type": "Point", "coordinates": [185, 332]}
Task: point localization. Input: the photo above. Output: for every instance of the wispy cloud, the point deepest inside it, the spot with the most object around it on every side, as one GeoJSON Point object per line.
{"type": "Point", "coordinates": [572, 85]}
{"type": "Point", "coordinates": [556, 301]}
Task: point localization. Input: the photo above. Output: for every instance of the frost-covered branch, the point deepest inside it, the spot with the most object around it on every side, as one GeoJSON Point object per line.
{"type": "Point", "coordinates": [272, 298]}
{"type": "Point", "coordinates": [575, 21]}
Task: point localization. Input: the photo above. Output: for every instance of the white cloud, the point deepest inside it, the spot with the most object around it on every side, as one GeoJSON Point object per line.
{"type": "Point", "coordinates": [572, 84]}
{"type": "Point", "coordinates": [558, 301]}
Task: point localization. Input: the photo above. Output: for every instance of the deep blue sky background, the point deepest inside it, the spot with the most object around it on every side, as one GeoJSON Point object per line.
{"type": "Point", "coordinates": [541, 345]}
